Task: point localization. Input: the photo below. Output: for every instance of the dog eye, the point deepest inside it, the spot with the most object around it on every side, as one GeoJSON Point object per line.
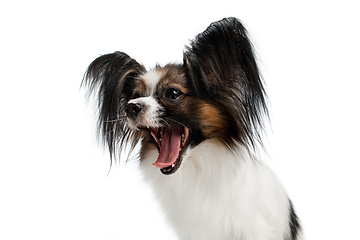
{"type": "Point", "coordinates": [173, 93]}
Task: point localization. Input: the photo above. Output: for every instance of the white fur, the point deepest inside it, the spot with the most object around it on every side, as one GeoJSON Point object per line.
{"type": "Point", "coordinates": [219, 194]}
{"type": "Point", "coordinates": [151, 79]}
{"type": "Point", "coordinates": [150, 116]}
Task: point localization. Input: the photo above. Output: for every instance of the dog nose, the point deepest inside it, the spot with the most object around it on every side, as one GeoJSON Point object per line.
{"type": "Point", "coordinates": [133, 110]}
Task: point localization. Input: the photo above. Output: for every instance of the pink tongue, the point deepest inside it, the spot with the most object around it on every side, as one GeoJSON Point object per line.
{"type": "Point", "coordinates": [170, 148]}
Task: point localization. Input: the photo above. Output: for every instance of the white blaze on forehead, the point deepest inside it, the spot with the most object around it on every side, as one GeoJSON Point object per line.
{"type": "Point", "coordinates": [151, 79]}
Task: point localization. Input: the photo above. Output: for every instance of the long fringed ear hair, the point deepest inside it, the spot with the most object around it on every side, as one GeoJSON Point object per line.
{"type": "Point", "coordinates": [221, 66]}
{"type": "Point", "coordinates": [111, 77]}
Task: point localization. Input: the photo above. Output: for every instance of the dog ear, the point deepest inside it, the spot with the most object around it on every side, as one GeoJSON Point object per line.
{"type": "Point", "coordinates": [220, 65]}
{"type": "Point", "coordinates": [111, 77]}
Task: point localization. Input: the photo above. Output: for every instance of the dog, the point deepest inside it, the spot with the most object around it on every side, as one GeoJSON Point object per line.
{"type": "Point", "coordinates": [198, 124]}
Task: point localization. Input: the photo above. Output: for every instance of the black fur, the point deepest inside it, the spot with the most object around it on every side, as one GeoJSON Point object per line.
{"type": "Point", "coordinates": [113, 76]}
{"type": "Point", "coordinates": [221, 66]}
{"type": "Point", "coordinates": [294, 223]}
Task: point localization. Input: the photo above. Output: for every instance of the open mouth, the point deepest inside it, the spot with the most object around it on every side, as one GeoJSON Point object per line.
{"type": "Point", "coordinates": [171, 143]}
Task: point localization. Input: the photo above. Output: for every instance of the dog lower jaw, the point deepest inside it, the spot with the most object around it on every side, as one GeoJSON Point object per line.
{"type": "Point", "coordinates": [173, 168]}
{"type": "Point", "coordinates": [171, 142]}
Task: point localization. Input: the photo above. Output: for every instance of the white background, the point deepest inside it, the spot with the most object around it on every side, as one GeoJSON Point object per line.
{"type": "Point", "coordinates": [53, 176]}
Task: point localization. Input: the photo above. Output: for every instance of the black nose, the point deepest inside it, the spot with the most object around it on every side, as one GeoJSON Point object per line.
{"type": "Point", "coordinates": [133, 110]}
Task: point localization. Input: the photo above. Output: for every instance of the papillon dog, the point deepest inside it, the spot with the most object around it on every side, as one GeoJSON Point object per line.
{"type": "Point", "coordinates": [198, 124]}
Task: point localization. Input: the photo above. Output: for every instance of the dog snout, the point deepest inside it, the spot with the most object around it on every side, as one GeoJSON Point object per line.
{"type": "Point", "coordinates": [133, 110]}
